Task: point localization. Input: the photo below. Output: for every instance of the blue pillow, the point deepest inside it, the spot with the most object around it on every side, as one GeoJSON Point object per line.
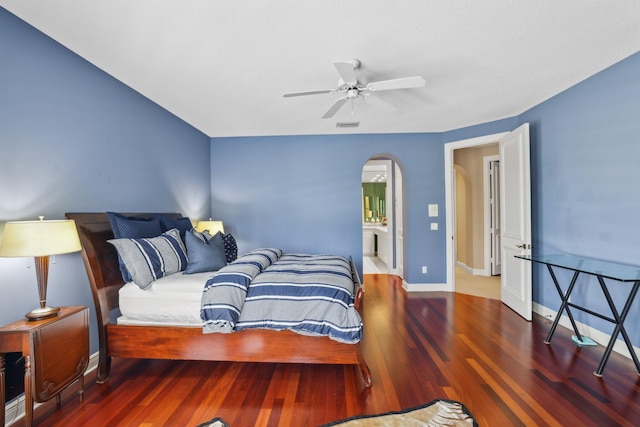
{"type": "Point", "coordinates": [129, 227]}
{"type": "Point", "coordinates": [182, 224]}
{"type": "Point", "coordinates": [207, 255]}
{"type": "Point", "coordinates": [205, 236]}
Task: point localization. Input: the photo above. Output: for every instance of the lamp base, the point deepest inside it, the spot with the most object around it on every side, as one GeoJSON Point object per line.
{"type": "Point", "coordinates": [42, 313]}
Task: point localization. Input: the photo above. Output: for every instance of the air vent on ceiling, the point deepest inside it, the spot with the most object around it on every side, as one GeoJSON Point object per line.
{"type": "Point", "coordinates": [347, 124]}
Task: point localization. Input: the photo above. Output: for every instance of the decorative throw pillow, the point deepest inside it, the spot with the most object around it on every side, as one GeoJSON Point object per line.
{"type": "Point", "coordinates": [182, 224]}
{"type": "Point", "coordinates": [204, 255]}
{"type": "Point", "coordinates": [149, 259]}
{"type": "Point", "coordinates": [230, 247]}
{"type": "Point", "coordinates": [204, 236]}
{"type": "Point", "coordinates": [129, 227]}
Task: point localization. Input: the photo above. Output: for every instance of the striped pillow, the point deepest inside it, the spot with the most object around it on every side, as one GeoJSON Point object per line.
{"type": "Point", "coordinates": [152, 258]}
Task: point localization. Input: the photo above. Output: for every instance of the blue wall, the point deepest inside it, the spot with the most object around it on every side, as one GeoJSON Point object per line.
{"type": "Point", "coordinates": [302, 193]}
{"type": "Point", "coordinates": [72, 138]}
{"type": "Point", "coordinates": [585, 159]}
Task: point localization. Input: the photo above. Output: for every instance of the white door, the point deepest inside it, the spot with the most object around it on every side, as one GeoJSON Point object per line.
{"type": "Point", "coordinates": [515, 220]}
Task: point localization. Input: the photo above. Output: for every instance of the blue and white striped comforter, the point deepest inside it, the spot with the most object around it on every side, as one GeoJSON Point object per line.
{"type": "Point", "coordinates": [308, 294]}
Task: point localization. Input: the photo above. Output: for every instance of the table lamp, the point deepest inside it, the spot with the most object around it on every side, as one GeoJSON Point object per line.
{"type": "Point", "coordinates": [40, 239]}
{"type": "Point", "coordinates": [212, 226]}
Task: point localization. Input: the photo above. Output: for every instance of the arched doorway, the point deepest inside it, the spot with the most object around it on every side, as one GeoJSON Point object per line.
{"type": "Point", "coordinates": [383, 216]}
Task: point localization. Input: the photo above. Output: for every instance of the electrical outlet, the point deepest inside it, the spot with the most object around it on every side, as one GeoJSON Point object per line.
{"type": "Point", "coordinates": [424, 269]}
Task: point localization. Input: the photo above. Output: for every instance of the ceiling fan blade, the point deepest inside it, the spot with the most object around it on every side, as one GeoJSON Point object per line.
{"type": "Point", "coordinates": [347, 72]}
{"type": "Point", "coordinates": [311, 92]}
{"type": "Point", "coordinates": [404, 83]}
{"type": "Point", "coordinates": [334, 108]}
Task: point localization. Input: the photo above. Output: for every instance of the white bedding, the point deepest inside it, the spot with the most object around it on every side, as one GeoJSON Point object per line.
{"type": "Point", "coordinates": [172, 300]}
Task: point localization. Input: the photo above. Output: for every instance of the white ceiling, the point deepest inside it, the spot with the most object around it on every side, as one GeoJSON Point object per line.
{"type": "Point", "coordinates": [222, 66]}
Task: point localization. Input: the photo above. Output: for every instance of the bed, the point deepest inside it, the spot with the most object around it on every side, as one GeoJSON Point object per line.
{"type": "Point", "coordinates": [155, 340]}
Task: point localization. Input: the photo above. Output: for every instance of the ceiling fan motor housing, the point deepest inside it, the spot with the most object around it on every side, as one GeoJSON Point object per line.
{"type": "Point", "coordinates": [353, 93]}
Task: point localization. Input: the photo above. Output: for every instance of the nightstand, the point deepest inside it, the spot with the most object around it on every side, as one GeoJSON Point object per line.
{"type": "Point", "coordinates": [56, 353]}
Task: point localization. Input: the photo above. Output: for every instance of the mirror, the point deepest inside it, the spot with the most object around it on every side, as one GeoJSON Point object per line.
{"type": "Point", "coordinates": [374, 190]}
{"type": "Point", "coordinates": [374, 203]}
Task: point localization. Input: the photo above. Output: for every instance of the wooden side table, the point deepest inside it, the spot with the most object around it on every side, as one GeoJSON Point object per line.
{"type": "Point", "coordinates": [56, 353]}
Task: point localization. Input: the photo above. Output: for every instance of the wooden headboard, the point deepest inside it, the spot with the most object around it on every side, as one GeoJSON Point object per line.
{"type": "Point", "coordinates": [101, 261]}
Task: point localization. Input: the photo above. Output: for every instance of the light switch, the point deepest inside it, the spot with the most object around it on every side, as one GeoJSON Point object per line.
{"type": "Point", "coordinates": [434, 225]}
{"type": "Point", "coordinates": [433, 210]}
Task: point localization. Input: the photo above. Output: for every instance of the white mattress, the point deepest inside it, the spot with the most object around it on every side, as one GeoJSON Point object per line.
{"type": "Point", "coordinates": [173, 300]}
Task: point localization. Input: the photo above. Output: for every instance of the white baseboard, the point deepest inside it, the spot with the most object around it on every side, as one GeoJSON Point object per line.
{"type": "Point", "coordinates": [472, 271]}
{"type": "Point", "coordinates": [586, 330]}
{"type": "Point", "coordinates": [14, 411]}
{"type": "Point", "coordinates": [425, 287]}
{"type": "Point", "coordinates": [464, 266]}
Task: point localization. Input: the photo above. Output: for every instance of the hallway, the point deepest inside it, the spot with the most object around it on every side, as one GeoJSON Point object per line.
{"type": "Point", "coordinates": [480, 286]}
{"type": "Point", "coordinates": [469, 284]}
{"type": "Point", "coordinates": [373, 265]}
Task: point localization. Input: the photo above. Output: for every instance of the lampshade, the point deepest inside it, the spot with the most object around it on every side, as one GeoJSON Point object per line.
{"type": "Point", "coordinates": [39, 238]}
{"type": "Point", "coordinates": [212, 226]}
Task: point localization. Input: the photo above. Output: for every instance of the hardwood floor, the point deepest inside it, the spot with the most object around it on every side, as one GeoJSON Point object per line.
{"type": "Point", "coordinates": [419, 347]}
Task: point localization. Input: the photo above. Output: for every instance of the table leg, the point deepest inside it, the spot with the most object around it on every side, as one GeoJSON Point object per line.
{"type": "Point", "coordinates": [564, 306]}
{"type": "Point", "coordinates": [81, 387]}
{"type": "Point", "coordinates": [28, 395]}
{"type": "Point", "coordinates": [619, 328]}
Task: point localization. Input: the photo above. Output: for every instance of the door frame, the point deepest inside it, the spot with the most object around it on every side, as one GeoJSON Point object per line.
{"type": "Point", "coordinates": [486, 160]}
{"type": "Point", "coordinates": [398, 219]}
{"type": "Point", "coordinates": [450, 197]}
{"type": "Point", "coordinates": [395, 194]}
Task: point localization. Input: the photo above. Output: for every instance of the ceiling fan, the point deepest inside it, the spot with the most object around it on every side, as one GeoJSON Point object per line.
{"type": "Point", "coordinates": [351, 88]}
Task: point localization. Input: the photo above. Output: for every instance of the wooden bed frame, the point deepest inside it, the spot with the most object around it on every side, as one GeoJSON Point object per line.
{"type": "Point", "coordinates": [190, 343]}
